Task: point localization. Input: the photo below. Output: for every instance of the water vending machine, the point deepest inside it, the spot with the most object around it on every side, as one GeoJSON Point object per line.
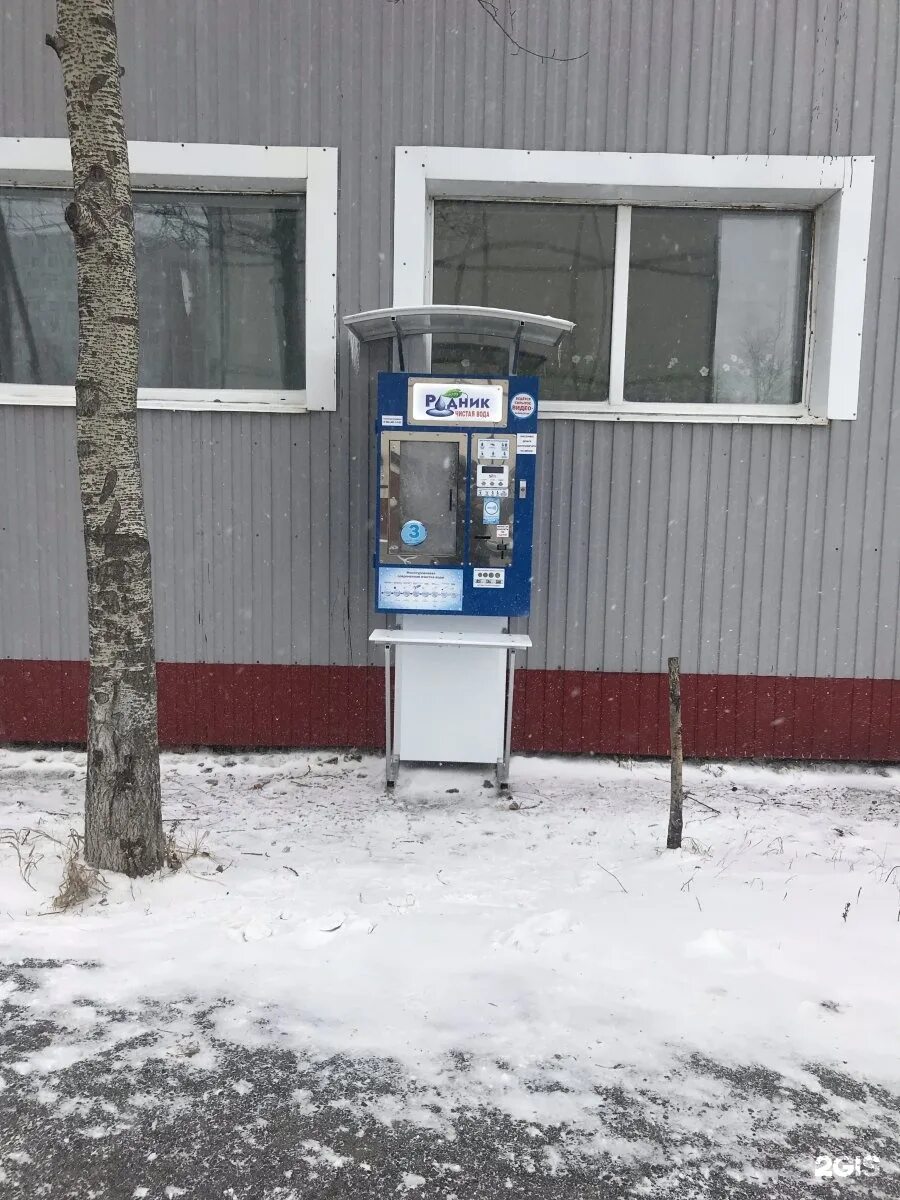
{"type": "Point", "coordinates": [453, 522]}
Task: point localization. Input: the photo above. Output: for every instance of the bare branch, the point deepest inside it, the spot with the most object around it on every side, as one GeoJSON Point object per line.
{"type": "Point", "coordinates": [615, 877]}
{"type": "Point", "coordinates": [489, 7]}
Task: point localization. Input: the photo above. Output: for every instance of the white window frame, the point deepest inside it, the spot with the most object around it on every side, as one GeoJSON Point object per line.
{"type": "Point", "coordinates": [837, 191]}
{"type": "Point", "coordinates": [201, 167]}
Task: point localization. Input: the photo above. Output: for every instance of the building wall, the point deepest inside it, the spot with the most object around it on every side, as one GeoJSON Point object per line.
{"type": "Point", "coordinates": [759, 554]}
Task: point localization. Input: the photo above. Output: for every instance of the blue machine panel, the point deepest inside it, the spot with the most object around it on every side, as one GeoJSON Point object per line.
{"type": "Point", "coordinates": [455, 504]}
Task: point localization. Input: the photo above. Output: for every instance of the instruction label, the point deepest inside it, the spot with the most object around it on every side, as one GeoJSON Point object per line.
{"type": "Point", "coordinates": [418, 588]}
{"type": "Point", "coordinates": [526, 443]}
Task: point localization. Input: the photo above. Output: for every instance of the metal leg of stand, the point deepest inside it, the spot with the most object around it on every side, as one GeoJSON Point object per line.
{"type": "Point", "coordinates": [503, 767]}
{"type": "Point", "coordinates": [388, 724]}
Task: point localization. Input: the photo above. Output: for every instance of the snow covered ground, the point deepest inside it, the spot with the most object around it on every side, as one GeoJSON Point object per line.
{"type": "Point", "coordinates": [544, 959]}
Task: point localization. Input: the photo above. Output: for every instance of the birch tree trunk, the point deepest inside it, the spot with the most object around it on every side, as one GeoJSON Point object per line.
{"type": "Point", "coordinates": [123, 823]}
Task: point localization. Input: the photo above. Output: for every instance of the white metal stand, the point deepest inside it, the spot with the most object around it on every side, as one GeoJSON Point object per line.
{"type": "Point", "coordinates": [447, 641]}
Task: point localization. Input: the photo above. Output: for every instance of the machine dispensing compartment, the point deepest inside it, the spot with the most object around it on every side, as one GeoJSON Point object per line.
{"type": "Point", "coordinates": [423, 498]}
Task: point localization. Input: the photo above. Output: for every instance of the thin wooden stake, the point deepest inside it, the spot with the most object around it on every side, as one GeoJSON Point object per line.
{"type": "Point", "coordinates": [676, 801]}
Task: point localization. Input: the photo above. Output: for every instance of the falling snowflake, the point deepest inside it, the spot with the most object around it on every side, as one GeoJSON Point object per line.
{"type": "Point", "coordinates": [704, 371]}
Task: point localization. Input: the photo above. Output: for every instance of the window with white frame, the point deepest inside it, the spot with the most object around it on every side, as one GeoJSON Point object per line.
{"type": "Point", "coordinates": [701, 288]}
{"type": "Point", "coordinates": [226, 271]}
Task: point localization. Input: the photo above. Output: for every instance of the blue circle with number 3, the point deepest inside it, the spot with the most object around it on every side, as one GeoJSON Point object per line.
{"type": "Point", "coordinates": [413, 533]}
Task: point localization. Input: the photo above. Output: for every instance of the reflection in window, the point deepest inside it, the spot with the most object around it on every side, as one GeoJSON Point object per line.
{"type": "Point", "coordinates": [717, 306]}
{"type": "Point", "coordinates": [38, 308]}
{"type": "Point", "coordinates": [220, 284]}
{"type": "Point", "coordinates": [543, 258]}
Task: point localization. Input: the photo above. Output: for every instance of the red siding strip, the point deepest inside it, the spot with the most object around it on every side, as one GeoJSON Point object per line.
{"type": "Point", "coordinates": [373, 732]}
{"type": "Point", "coordinates": [726, 715]}
{"type": "Point", "coordinates": [572, 740]}
{"type": "Point", "coordinates": [518, 735]}
{"type": "Point", "coordinates": [654, 714]}
{"type": "Point", "coordinates": [72, 701]}
{"type": "Point", "coordinates": [43, 701]}
{"type": "Point", "coordinates": [297, 692]}
{"type": "Point", "coordinates": [318, 701]}
{"type": "Point", "coordinates": [766, 716]}
{"type": "Point", "coordinates": [592, 726]}
{"type": "Point", "coordinates": [861, 717]}
{"type": "Point", "coordinates": [784, 721]}
{"type": "Point", "coordinates": [610, 714]}
{"type": "Point", "coordinates": [533, 694]}
{"type": "Point", "coordinates": [236, 704]}
{"type": "Point", "coordinates": [628, 691]}
{"type": "Point", "coordinates": [804, 717]}
{"type": "Point", "coordinates": [842, 692]}
{"type": "Point", "coordinates": [554, 694]}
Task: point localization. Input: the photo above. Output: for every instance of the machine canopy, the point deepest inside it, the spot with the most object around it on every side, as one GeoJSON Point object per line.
{"type": "Point", "coordinates": [529, 333]}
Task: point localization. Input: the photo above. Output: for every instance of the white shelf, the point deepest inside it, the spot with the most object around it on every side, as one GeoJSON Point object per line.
{"type": "Point", "coordinates": [427, 637]}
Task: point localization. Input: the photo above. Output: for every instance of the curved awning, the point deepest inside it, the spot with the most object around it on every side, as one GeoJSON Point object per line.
{"type": "Point", "coordinates": [528, 332]}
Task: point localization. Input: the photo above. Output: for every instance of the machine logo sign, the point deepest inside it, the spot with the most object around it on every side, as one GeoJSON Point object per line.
{"type": "Point", "coordinates": [445, 404]}
{"type": "Point", "coordinates": [435, 401]}
{"type": "Point", "coordinates": [522, 405]}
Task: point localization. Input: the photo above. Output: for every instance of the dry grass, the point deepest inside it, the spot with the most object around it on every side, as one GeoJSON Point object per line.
{"type": "Point", "coordinates": [181, 850]}
{"type": "Point", "coordinates": [695, 847]}
{"type": "Point", "coordinates": [24, 844]}
{"type": "Point", "coordinates": [80, 882]}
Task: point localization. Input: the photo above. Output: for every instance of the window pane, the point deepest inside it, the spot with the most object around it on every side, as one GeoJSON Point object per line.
{"type": "Point", "coordinates": [717, 306]}
{"type": "Point", "coordinates": [221, 291]}
{"type": "Point", "coordinates": [220, 285]}
{"type": "Point", "coordinates": [545, 258]}
{"type": "Point", "coordinates": [38, 308]}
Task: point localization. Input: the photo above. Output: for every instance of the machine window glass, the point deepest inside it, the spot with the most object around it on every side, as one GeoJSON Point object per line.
{"type": "Point", "coordinates": [427, 499]}
{"type": "Point", "coordinates": [553, 258]}
{"type": "Point", "coordinates": [220, 283]}
{"type": "Point", "coordinates": [717, 306]}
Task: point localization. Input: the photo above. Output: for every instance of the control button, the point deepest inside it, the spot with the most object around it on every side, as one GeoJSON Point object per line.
{"type": "Point", "coordinates": [483, 577]}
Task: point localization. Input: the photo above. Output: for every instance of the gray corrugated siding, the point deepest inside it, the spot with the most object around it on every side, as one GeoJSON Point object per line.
{"type": "Point", "coordinates": [750, 550]}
